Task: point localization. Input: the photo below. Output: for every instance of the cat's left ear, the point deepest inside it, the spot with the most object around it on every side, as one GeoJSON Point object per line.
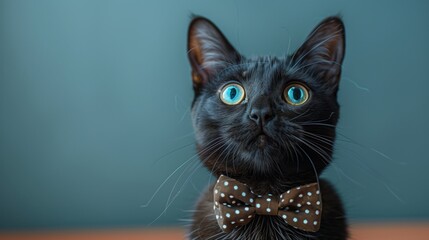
{"type": "Point", "coordinates": [323, 52]}
{"type": "Point", "coordinates": [208, 51]}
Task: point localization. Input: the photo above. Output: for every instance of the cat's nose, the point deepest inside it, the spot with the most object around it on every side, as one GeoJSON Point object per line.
{"type": "Point", "coordinates": [261, 112]}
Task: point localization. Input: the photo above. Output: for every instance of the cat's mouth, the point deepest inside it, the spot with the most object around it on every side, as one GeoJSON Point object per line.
{"type": "Point", "coordinates": [260, 140]}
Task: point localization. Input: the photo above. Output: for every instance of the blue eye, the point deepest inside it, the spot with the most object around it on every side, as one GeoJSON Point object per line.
{"type": "Point", "coordinates": [296, 94]}
{"type": "Point", "coordinates": [232, 94]}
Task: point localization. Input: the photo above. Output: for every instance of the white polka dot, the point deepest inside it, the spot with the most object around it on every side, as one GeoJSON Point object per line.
{"type": "Point", "coordinates": [305, 221]}
{"type": "Point", "coordinates": [241, 220]}
{"type": "Point", "coordinates": [307, 211]}
{"type": "Point", "coordinates": [258, 205]}
{"type": "Point", "coordinates": [217, 216]}
{"type": "Point", "coordinates": [318, 202]}
{"type": "Point", "coordinates": [251, 200]}
{"type": "Point", "coordinates": [300, 195]}
{"type": "Point", "coordinates": [284, 216]}
{"type": "Point", "coordinates": [315, 222]}
{"type": "Point", "coordinates": [308, 203]}
{"type": "Point", "coordinates": [235, 187]}
{"type": "Point", "coordinates": [298, 188]}
{"type": "Point", "coordinates": [216, 203]}
{"type": "Point", "coordinates": [317, 192]}
{"type": "Point", "coordinates": [231, 196]}
{"type": "Point", "coordinates": [232, 222]}
{"type": "Point", "coordinates": [246, 209]}
{"type": "Point", "coordinates": [243, 194]}
{"type": "Point", "coordinates": [217, 180]}
{"type": "Point", "coordinates": [224, 226]}
{"type": "Point", "coordinates": [268, 199]}
{"type": "Point", "coordinates": [269, 194]}
{"type": "Point", "coordinates": [228, 215]}
{"type": "Point", "coordinates": [259, 195]}
{"type": "Point", "coordinates": [226, 183]}
{"type": "Point", "coordinates": [317, 212]}
{"type": "Point", "coordinates": [250, 216]}
{"type": "Point", "coordinates": [237, 211]}
{"type": "Point", "coordinates": [288, 191]}
{"type": "Point", "coordinates": [291, 200]}
{"type": "Point", "coordinates": [299, 205]}
{"type": "Point", "coordinates": [295, 219]}
{"type": "Point", "coordinates": [222, 194]}
{"type": "Point", "coordinates": [283, 200]}
{"type": "Point", "coordinates": [268, 209]}
{"type": "Point", "coordinates": [309, 193]}
{"type": "Point", "coordinates": [216, 191]}
{"type": "Point", "coordinates": [297, 211]}
{"type": "Point", "coordinates": [224, 203]}
{"type": "Point", "coordinates": [281, 196]}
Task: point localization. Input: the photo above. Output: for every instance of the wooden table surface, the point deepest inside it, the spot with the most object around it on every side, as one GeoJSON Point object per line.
{"type": "Point", "coordinates": [396, 231]}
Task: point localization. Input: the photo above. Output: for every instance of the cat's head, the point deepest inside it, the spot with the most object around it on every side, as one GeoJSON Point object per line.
{"type": "Point", "coordinates": [265, 117]}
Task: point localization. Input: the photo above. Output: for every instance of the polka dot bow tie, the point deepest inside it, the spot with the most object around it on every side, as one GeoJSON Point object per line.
{"type": "Point", "coordinates": [235, 205]}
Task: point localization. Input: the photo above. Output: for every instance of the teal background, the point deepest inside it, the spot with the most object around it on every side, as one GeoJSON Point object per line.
{"type": "Point", "coordinates": [95, 98]}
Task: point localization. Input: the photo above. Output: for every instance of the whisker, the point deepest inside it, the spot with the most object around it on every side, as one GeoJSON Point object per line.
{"type": "Point", "coordinates": [312, 164]}
{"type": "Point", "coordinates": [169, 177]}
{"type": "Point", "coordinates": [173, 151]}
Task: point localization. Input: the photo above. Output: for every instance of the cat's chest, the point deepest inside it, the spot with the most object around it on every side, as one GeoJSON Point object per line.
{"type": "Point", "coordinates": [266, 227]}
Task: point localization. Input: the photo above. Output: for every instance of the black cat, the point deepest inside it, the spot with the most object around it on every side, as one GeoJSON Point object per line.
{"type": "Point", "coordinates": [267, 122]}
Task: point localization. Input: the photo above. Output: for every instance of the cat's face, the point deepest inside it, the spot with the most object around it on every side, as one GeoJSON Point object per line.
{"type": "Point", "coordinates": [266, 116]}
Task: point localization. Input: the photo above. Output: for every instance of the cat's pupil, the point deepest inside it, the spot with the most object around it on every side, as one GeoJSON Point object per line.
{"type": "Point", "coordinates": [232, 93]}
{"type": "Point", "coordinates": [296, 93]}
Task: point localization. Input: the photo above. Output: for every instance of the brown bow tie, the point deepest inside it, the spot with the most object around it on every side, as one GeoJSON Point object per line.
{"type": "Point", "coordinates": [235, 205]}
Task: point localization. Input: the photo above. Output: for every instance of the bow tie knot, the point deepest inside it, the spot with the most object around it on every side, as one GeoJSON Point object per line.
{"type": "Point", "coordinates": [235, 204]}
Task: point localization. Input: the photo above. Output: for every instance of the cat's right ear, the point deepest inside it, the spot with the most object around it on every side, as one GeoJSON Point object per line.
{"type": "Point", "coordinates": [208, 51]}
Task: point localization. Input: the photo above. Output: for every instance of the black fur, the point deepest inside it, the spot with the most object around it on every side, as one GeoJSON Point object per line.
{"type": "Point", "coordinates": [264, 141]}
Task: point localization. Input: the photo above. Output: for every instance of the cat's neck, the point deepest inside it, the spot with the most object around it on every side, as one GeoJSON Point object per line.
{"type": "Point", "coordinates": [269, 184]}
